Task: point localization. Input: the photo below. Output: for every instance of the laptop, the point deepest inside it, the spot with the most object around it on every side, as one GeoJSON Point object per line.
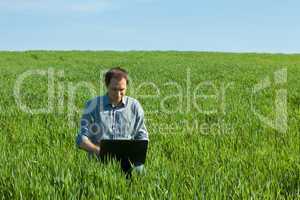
{"type": "Point", "coordinates": [133, 150]}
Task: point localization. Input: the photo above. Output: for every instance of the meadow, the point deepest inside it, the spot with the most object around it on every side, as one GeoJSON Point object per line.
{"type": "Point", "coordinates": [221, 125]}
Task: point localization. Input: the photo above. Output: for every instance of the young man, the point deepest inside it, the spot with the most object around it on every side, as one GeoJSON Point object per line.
{"type": "Point", "coordinates": [112, 116]}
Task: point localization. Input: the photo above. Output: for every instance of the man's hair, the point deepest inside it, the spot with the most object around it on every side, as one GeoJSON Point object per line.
{"type": "Point", "coordinates": [117, 73]}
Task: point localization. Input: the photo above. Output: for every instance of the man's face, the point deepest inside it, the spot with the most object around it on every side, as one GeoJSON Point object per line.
{"type": "Point", "coordinates": [116, 90]}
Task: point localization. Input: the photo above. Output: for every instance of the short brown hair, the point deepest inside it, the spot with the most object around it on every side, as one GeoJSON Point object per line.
{"type": "Point", "coordinates": [117, 73]}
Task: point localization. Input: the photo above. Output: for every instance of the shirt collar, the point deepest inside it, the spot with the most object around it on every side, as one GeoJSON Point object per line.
{"type": "Point", "coordinates": [108, 104]}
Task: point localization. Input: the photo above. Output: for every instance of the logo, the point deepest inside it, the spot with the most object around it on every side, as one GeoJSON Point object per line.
{"type": "Point", "coordinates": [280, 119]}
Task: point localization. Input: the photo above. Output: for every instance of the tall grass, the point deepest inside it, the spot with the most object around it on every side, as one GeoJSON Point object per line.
{"type": "Point", "coordinates": [228, 153]}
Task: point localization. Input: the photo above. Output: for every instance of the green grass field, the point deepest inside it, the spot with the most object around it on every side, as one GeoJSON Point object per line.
{"type": "Point", "coordinates": [207, 137]}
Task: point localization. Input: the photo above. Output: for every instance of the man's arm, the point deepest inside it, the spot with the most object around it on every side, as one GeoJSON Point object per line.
{"type": "Point", "coordinates": [82, 139]}
{"type": "Point", "coordinates": [87, 145]}
{"type": "Point", "coordinates": [141, 132]}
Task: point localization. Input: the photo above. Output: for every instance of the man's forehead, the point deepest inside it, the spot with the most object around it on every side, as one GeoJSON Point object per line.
{"type": "Point", "coordinates": [118, 82]}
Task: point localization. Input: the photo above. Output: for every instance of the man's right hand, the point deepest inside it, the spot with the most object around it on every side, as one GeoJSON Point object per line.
{"type": "Point", "coordinates": [97, 151]}
{"type": "Point", "coordinates": [87, 145]}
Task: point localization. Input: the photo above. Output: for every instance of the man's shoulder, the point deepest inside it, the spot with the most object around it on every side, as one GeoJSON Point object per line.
{"type": "Point", "coordinates": [130, 99]}
{"type": "Point", "coordinates": [95, 100]}
{"type": "Point", "coordinates": [91, 104]}
{"type": "Point", "coordinates": [133, 104]}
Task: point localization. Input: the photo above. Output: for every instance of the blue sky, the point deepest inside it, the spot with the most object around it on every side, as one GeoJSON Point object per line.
{"type": "Point", "coordinates": [211, 25]}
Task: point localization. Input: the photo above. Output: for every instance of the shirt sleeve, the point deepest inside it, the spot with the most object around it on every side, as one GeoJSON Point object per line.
{"type": "Point", "coordinates": [86, 120]}
{"type": "Point", "coordinates": [141, 132]}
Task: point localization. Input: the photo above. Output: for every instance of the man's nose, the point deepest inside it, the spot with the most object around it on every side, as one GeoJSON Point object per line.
{"type": "Point", "coordinates": [119, 93]}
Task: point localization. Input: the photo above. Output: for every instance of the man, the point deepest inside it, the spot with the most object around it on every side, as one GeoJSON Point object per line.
{"type": "Point", "coordinates": [112, 116]}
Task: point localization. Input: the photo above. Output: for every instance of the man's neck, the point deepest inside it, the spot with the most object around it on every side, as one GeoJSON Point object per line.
{"type": "Point", "coordinates": [114, 104]}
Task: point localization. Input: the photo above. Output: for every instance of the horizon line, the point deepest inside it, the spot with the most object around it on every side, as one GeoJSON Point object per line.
{"type": "Point", "coordinates": [148, 50]}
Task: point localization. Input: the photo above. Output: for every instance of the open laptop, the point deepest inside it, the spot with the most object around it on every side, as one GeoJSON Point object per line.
{"type": "Point", "coordinates": [133, 150]}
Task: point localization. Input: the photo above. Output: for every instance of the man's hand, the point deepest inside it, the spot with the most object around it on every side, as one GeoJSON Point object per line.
{"type": "Point", "coordinates": [87, 145]}
{"type": "Point", "coordinates": [97, 152]}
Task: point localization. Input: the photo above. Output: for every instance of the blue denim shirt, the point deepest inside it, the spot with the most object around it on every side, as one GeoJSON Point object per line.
{"type": "Point", "coordinates": [100, 120]}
